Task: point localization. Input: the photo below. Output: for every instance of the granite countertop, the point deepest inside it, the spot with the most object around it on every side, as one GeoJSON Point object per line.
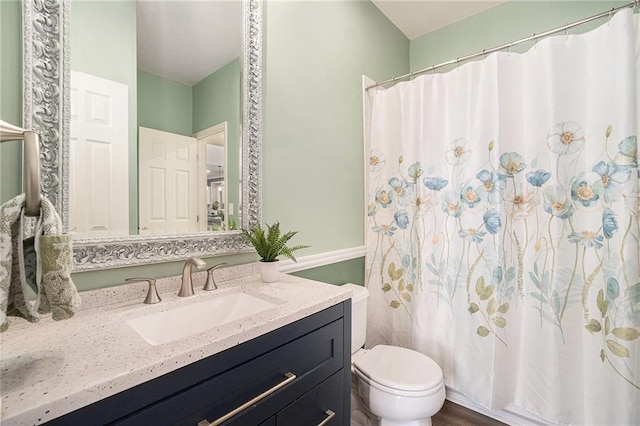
{"type": "Point", "coordinates": [51, 368]}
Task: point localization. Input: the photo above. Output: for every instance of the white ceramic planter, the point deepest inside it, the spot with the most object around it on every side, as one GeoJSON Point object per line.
{"type": "Point", "coordinates": [269, 271]}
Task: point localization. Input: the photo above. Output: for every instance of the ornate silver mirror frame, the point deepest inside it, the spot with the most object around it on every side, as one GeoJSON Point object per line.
{"type": "Point", "coordinates": [46, 109]}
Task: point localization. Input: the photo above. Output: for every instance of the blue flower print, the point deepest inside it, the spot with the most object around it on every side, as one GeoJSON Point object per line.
{"type": "Point", "coordinates": [613, 289]}
{"type": "Point", "coordinates": [435, 183]}
{"type": "Point", "coordinates": [384, 230]}
{"type": "Point", "coordinates": [609, 223]}
{"type": "Point", "coordinates": [402, 219]}
{"type": "Point", "coordinates": [511, 163]}
{"type": "Point", "coordinates": [492, 221]}
{"type": "Point", "coordinates": [627, 152]}
{"type": "Point", "coordinates": [493, 183]}
{"type": "Point", "coordinates": [556, 202]}
{"type": "Point", "coordinates": [384, 197]}
{"type": "Point", "coordinates": [457, 152]}
{"type": "Point", "coordinates": [584, 193]}
{"type": "Point", "coordinates": [415, 171]}
{"type": "Point", "coordinates": [402, 189]}
{"type": "Point", "coordinates": [406, 261]}
{"type": "Point", "coordinates": [565, 138]}
{"type": "Point", "coordinates": [470, 195]}
{"type": "Point", "coordinates": [471, 235]}
{"type": "Point", "coordinates": [612, 178]}
{"type": "Point", "coordinates": [586, 239]}
{"type": "Point", "coordinates": [538, 178]}
{"type": "Point", "coordinates": [451, 204]}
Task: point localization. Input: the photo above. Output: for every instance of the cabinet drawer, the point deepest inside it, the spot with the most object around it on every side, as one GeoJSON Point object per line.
{"type": "Point", "coordinates": [324, 403]}
{"type": "Point", "coordinates": [311, 358]}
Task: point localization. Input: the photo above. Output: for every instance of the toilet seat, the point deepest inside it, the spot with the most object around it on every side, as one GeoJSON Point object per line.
{"type": "Point", "coordinates": [399, 371]}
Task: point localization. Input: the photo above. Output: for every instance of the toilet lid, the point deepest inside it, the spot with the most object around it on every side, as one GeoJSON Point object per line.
{"type": "Point", "coordinates": [399, 368]}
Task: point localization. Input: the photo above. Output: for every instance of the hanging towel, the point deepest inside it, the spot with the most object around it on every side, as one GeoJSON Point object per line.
{"type": "Point", "coordinates": [35, 264]}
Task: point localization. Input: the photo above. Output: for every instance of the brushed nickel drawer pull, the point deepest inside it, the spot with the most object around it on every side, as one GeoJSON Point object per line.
{"type": "Point", "coordinates": [290, 377]}
{"type": "Point", "coordinates": [330, 414]}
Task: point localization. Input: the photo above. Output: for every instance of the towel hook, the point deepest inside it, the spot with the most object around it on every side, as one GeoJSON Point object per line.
{"type": "Point", "coordinates": [30, 163]}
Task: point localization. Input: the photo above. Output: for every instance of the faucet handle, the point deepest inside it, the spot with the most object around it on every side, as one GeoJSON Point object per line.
{"type": "Point", "coordinates": [152, 293]}
{"type": "Point", "coordinates": [211, 283]}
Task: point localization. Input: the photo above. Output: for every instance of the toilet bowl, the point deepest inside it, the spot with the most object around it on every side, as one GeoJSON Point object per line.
{"type": "Point", "coordinates": [399, 386]}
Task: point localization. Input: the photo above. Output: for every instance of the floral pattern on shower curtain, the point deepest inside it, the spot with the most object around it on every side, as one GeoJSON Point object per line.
{"type": "Point", "coordinates": [503, 234]}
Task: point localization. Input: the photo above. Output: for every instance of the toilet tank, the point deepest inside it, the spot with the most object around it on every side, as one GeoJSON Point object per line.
{"type": "Point", "coordinates": [358, 315]}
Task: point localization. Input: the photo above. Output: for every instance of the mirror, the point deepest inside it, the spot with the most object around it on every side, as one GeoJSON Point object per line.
{"type": "Point", "coordinates": [113, 211]}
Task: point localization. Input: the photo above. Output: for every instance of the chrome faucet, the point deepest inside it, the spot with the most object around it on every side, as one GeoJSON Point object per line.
{"type": "Point", "coordinates": [187, 284]}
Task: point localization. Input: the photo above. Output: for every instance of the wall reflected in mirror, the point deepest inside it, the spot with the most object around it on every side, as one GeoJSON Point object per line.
{"type": "Point", "coordinates": [155, 137]}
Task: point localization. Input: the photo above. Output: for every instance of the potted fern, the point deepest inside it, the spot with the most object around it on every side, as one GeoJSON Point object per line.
{"type": "Point", "coordinates": [269, 244]}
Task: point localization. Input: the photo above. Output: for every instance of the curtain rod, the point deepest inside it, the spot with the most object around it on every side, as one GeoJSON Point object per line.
{"type": "Point", "coordinates": [534, 36]}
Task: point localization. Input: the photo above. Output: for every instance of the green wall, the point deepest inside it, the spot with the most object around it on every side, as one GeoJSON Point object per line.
{"type": "Point", "coordinates": [508, 22]}
{"type": "Point", "coordinates": [217, 99]}
{"type": "Point", "coordinates": [315, 56]}
{"type": "Point", "coordinates": [349, 271]}
{"type": "Point", "coordinates": [10, 95]}
{"type": "Point", "coordinates": [164, 104]}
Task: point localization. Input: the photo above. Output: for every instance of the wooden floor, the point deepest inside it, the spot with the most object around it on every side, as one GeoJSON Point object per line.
{"type": "Point", "coordinates": [457, 415]}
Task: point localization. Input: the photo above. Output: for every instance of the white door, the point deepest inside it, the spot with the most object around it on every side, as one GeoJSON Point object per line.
{"type": "Point", "coordinates": [99, 157]}
{"type": "Point", "coordinates": [168, 180]}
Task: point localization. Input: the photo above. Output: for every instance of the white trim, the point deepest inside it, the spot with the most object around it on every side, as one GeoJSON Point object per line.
{"type": "Point", "coordinates": [204, 138]}
{"type": "Point", "coordinates": [211, 131]}
{"type": "Point", "coordinates": [511, 415]}
{"type": "Point", "coordinates": [321, 259]}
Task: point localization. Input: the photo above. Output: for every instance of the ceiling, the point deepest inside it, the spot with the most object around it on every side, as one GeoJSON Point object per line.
{"type": "Point", "coordinates": [419, 17]}
{"type": "Point", "coordinates": [176, 37]}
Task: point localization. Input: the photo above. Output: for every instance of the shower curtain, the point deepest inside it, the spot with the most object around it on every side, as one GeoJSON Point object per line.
{"type": "Point", "coordinates": [503, 235]}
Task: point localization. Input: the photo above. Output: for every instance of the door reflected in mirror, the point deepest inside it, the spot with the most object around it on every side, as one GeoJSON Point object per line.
{"type": "Point", "coordinates": [155, 129]}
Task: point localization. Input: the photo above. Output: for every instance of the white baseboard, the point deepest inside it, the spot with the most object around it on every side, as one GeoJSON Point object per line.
{"type": "Point", "coordinates": [512, 415]}
{"type": "Point", "coordinates": [322, 259]}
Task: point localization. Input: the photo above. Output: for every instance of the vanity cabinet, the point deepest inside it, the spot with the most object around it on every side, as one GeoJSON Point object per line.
{"type": "Point", "coordinates": [296, 375]}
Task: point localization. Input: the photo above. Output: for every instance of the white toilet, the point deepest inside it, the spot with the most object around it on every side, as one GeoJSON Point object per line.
{"type": "Point", "coordinates": [400, 386]}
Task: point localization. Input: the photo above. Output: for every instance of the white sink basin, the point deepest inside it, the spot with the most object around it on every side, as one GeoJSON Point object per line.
{"type": "Point", "coordinates": [176, 323]}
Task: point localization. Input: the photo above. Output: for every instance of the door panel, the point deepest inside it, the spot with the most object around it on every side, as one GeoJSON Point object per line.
{"type": "Point", "coordinates": [168, 179]}
{"type": "Point", "coordinates": [99, 157]}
